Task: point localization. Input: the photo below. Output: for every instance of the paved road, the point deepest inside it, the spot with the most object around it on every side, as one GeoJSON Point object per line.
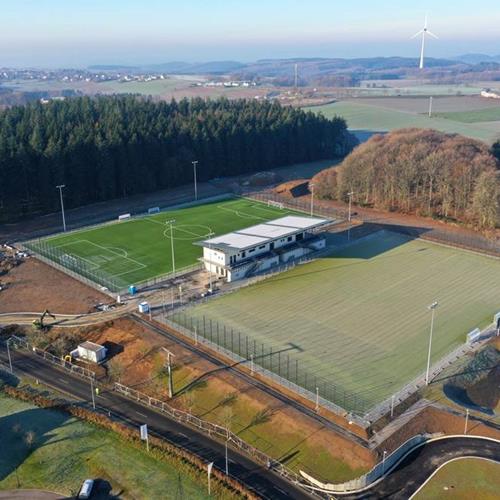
{"type": "Point", "coordinates": [261, 480]}
{"type": "Point", "coordinates": [416, 468]}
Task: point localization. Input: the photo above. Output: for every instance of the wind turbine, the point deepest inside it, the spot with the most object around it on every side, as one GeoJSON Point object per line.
{"type": "Point", "coordinates": [424, 32]}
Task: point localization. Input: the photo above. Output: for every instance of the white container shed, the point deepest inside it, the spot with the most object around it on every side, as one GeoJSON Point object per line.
{"type": "Point", "coordinates": [92, 352]}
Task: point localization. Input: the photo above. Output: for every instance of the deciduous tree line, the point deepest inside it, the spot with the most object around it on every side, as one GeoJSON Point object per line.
{"type": "Point", "coordinates": [420, 171]}
{"type": "Point", "coordinates": [109, 147]}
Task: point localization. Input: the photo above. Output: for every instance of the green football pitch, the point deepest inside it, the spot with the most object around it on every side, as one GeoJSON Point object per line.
{"type": "Point", "coordinates": [359, 318]}
{"type": "Point", "coordinates": [124, 253]}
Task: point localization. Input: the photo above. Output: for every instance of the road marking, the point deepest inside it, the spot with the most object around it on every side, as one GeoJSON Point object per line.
{"type": "Point", "coordinates": [183, 435]}
{"type": "Point", "coordinates": [280, 490]}
{"type": "Point", "coordinates": [63, 381]}
{"type": "Point", "coordinates": [141, 414]}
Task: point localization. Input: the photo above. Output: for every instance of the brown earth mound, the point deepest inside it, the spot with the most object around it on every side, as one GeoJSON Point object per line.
{"type": "Point", "coordinates": [293, 189]}
{"type": "Point", "coordinates": [486, 392]}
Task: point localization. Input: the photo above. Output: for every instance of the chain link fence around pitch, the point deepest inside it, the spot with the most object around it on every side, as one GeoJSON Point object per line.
{"type": "Point", "coordinates": [276, 363]}
{"type": "Point", "coordinates": [460, 239]}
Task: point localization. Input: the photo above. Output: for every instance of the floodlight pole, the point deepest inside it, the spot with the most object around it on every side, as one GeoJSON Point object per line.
{"type": "Point", "coordinates": [392, 405]}
{"type": "Point", "coordinates": [209, 235]}
{"type": "Point", "coordinates": [383, 462]}
{"type": "Point", "coordinates": [60, 187]}
{"type": "Point", "coordinates": [466, 420]}
{"type": "Point", "coordinates": [169, 372]}
{"type": "Point", "coordinates": [251, 364]}
{"type": "Point", "coordinates": [311, 185]}
{"type": "Point", "coordinates": [430, 107]}
{"type": "Point", "coordinates": [431, 308]}
{"type": "Point", "coordinates": [317, 399]}
{"type": "Point", "coordinates": [171, 222]}
{"type": "Point", "coordinates": [195, 163]}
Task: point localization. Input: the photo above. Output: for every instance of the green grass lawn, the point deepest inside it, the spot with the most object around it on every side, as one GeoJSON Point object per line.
{"type": "Point", "coordinates": [155, 87]}
{"type": "Point", "coordinates": [359, 318]}
{"type": "Point", "coordinates": [66, 451]}
{"type": "Point", "coordinates": [464, 479]}
{"type": "Point", "coordinates": [125, 253]}
{"type": "Point", "coordinates": [476, 116]}
{"type": "Point", "coordinates": [360, 116]}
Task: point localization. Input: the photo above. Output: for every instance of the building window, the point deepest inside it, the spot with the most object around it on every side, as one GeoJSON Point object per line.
{"type": "Point", "coordinates": [262, 247]}
{"type": "Point", "coordinates": [289, 238]}
{"type": "Point", "coordinates": [243, 254]}
{"type": "Point", "coordinates": [251, 250]}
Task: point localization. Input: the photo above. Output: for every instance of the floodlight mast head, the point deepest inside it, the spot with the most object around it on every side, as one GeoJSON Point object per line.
{"type": "Point", "coordinates": [433, 305]}
{"type": "Point", "coordinates": [424, 32]}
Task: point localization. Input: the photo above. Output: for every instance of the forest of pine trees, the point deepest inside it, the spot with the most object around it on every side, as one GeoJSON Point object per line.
{"type": "Point", "coordinates": [109, 147]}
{"type": "Point", "coordinates": [420, 171]}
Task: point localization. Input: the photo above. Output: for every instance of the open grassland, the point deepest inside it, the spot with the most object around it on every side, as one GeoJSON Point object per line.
{"type": "Point", "coordinates": [475, 116]}
{"type": "Point", "coordinates": [65, 452]}
{"type": "Point", "coordinates": [359, 318]}
{"type": "Point", "coordinates": [464, 479]}
{"type": "Point", "coordinates": [154, 87]}
{"type": "Point", "coordinates": [139, 249]}
{"type": "Point", "coordinates": [376, 118]}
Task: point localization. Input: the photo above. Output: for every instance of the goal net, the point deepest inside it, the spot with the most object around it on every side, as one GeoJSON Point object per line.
{"type": "Point", "coordinates": [275, 204]}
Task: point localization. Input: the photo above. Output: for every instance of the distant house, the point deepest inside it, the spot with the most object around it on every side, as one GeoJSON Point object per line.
{"type": "Point", "coordinates": [490, 94]}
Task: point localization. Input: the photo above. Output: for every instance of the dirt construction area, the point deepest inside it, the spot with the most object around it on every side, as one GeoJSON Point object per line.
{"type": "Point", "coordinates": [136, 359]}
{"type": "Point", "coordinates": [33, 286]}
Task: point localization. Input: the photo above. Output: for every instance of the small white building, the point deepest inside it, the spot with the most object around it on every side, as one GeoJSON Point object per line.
{"type": "Point", "coordinates": [91, 352]}
{"type": "Point", "coordinates": [257, 248]}
{"type": "Point", "coordinates": [490, 94]}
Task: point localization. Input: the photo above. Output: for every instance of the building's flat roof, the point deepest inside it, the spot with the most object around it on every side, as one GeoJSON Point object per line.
{"type": "Point", "coordinates": [263, 233]}
{"type": "Point", "coordinates": [91, 346]}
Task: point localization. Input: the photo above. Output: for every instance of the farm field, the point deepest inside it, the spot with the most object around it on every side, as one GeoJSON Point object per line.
{"type": "Point", "coordinates": [463, 479]}
{"type": "Point", "coordinates": [359, 319]}
{"type": "Point", "coordinates": [119, 254]}
{"type": "Point", "coordinates": [66, 451]}
{"type": "Point", "coordinates": [371, 117]}
{"type": "Point", "coordinates": [474, 116]}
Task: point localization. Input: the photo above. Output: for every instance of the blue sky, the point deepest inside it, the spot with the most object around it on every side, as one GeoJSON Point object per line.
{"type": "Point", "coordinates": [81, 32]}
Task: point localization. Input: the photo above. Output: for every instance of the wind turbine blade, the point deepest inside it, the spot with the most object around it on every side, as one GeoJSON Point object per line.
{"type": "Point", "coordinates": [432, 34]}
{"type": "Point", "coordinates": [425, 22]}
{"type": "Point", "coordinates": [417, 34]}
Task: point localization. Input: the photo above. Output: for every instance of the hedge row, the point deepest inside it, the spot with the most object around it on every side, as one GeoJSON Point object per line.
{"type": "Point", "coordinates": [184, 461]}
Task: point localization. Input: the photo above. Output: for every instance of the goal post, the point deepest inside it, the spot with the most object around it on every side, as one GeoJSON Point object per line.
{"type": "Point", "coordinates": [275, 204]}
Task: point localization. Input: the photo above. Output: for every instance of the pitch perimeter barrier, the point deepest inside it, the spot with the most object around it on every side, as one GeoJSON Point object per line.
{"type": "Point", "coordinates": [271, 362]}
{"type": "Point", "coordinates": [19, 343]}
{"type": "Point", "coordinates": [465, 240]}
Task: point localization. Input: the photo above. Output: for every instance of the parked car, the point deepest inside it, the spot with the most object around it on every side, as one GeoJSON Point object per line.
{"type": "Point", "coordinates": [86, 489]}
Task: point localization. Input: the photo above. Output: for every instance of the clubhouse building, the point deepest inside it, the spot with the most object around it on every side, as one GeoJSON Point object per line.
{"type": "Point", "coordinates": [242, 253]}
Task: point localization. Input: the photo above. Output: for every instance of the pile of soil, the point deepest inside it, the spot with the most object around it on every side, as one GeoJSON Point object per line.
{"type": "Point", "coordinates": [293, 189]}
{"type": "Point", "coordinates": [477, 385]}
{"type": "Point", "coordinates": [486, 392]}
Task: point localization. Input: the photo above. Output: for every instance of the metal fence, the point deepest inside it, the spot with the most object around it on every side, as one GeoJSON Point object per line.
{"type": "Point", "coordinates": [213, 430]}
{"type": "Point", "coordinates": [19, 343]}
{"type": "Point", "coordinates": [376, 473]}
{"type": "Point", "coordinates": [463, 239]}
{"type": "Point", "coordinates": [275, 363]}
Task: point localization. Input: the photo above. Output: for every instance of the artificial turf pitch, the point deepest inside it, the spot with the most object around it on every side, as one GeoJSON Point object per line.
{"type": "Point", "coordinates": [359, 319]}
{"type": "Point", "coordinates": [135, 250]}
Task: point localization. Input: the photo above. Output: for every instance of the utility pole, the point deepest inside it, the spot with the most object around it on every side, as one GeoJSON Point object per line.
{"type": "Point", "coordinates": [169, 373]}
{"type": "Point", "coordinates": [195, 163]}
{"type": "Point", "coordinates": [227, 461]}
{"type": "Point", "coordinates": [431, 308]}
{"type": "Point", "coordinates": [92, 392]}
{"type": "Point", "coordinates": [171, 222]}
{"type": "Point", "coordinates": [8, 354]}
{"type": "Point", "coordinates": [311, 187]}
{"type": "Point", "coordinates": [60, 187]}
{"type": "Point", "coordinates": [350, 194]}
